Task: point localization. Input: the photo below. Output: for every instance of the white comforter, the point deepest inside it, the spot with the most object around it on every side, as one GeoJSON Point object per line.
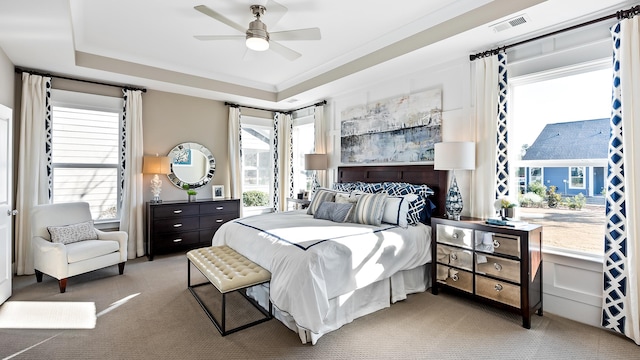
{"type": "Point", "coordinates": [312, 260]}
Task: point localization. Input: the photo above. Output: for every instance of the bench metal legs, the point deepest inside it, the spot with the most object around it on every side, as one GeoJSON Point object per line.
{"type": "Point", "coordinates": [221, 326]}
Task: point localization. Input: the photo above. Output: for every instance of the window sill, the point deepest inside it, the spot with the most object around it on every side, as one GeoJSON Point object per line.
{"type": "Point", "coordinates": [107, 225]}
{"type": "Point", "coordinates": [578, 255]}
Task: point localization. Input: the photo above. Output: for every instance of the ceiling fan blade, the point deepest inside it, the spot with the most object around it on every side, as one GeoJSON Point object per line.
{"type": "Point", "coordinates": [218, 37]}
{"type": "Point", "coordinates": [216, 15]}
{"type": "Point", "coordinates": [299, 34]}
{"type": "Point", "coordinates": [275, 12]}
{"type": "Point", "coordinates": [284, 51]}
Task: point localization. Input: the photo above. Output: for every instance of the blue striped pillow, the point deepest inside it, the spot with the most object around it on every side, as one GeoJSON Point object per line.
{"type": "Point", "coordinates": [369, 209]}
{"type": "Point", "coordinates": [319, 197]}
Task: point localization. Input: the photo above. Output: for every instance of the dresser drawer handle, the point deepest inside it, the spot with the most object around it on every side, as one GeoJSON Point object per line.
{"type": "Point", "coordinates": [496, 244]}
{"type": "Point", "coordinates": [455, 235]}
{"type": "Point", "coordinates": [219, 220]}
{"type": "Point", "coordinates": [497, 266]}
{"type": "Point", "coordinates": [219, 207]}
{"type": "Point", "coordinates": [498, 287]}
{"type": "Point", "coordinates": [177, 240]}
{"type": "Point", "coordinates": [454, 277]}
{"type": "Point", "coordinates": [454, 256]}
{"type": "Point", "coordinates": [177, 225]}
{"type": "Point", "coordinates": [179, 211]}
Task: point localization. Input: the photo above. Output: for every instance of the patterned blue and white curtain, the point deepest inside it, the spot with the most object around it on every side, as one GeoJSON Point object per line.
{"type": "Point", "coordinates": [620, 303]}
{"type": "Point", "coordinates": [502, 160]}
{"type": "Point", "coordinates": [319, 147]}
{"type": "Point", "coordinates": [282, 160]}
{"type": "Point", "coordinates": [131, 154]}
{"type": "Point", "coordinates": [35, 175]}
{"type": "Point", "coordinates": [490, 178]}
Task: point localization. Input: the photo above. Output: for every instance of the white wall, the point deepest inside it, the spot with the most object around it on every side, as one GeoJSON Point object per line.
{"type": "Point", "coordinates": [572, 286]}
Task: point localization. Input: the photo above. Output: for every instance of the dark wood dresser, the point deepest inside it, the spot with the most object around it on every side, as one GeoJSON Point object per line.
{"type": "Point", "coordinates": [179, 225]}
{"type": "Point", "coordinates": [496, 264]}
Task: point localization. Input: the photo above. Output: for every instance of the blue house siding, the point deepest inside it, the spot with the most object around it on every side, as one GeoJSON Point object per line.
{"type": "Point", "coordinates": [556, 176]}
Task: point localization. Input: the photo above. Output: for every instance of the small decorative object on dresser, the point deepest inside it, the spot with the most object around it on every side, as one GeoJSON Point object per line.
{"type": "Point", "coordinates": [217, 191]}
{"type": "Point", "coordinates": [178, 225]}
{"type": "Point", "coordinates": [454, 156]}
{"type": "Point", "coordinates": [500, 265]}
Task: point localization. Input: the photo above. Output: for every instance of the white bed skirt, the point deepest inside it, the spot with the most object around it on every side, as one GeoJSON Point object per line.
{"type": "Point", "coordinates": [348, 307]}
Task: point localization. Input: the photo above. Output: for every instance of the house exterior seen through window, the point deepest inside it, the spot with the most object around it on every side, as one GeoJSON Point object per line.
{"type": "Point", "coordinates": [85, 152]}
{"type": "Point", "coordinates": [558, 133]}
{"type": "Point", "coordinates": [257, 162]}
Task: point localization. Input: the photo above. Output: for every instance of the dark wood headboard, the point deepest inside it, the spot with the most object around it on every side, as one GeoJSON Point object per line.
{"type": "Point", "coordinates": [413, 174]}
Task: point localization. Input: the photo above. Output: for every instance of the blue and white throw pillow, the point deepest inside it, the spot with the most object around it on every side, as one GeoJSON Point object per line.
{"type": "Point", "coordinates": [396, 209]}
{"type": "Point", "coordinates": [67, 234]}
{"type": "Point", "coordinates": [336, 212]}
{"type": "Point", "coordinates": [417, 205]}
{"type": "Point", "coordinates": [319, 197]}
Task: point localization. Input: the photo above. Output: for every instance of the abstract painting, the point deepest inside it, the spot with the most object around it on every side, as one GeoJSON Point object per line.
{"type": "Point", "coordinates": [400, 129]}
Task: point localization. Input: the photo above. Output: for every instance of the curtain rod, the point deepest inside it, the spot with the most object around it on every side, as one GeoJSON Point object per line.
{"type": "Point", "coordinates": [33, 72]}
{"type": "Point", "coordinates": [619, 15]}
{"type": "Point", "coordinates": [323, 102]}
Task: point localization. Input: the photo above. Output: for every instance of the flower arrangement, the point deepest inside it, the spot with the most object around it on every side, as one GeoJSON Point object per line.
{"type": "Point", "coordinates": [505, 208]}
{"type": "Point", "coordinates": [506, 204]}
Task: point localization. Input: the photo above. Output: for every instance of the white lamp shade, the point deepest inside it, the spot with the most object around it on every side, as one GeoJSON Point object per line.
{"type": "Point", "coordinates": [454, 156]}
{"type": "Point", "coordinates": [315, 161]}
{"type": "Point", "coordinates": [156, 165]}
{"type": "Point", "coordinates": [257, 43]}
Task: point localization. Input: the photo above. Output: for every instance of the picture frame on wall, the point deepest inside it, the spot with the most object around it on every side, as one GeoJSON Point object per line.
{"type": "Point", "coordinates": [217, 191]}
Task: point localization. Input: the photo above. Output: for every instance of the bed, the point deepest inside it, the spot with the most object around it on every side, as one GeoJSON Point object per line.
{"type": "Point", "coordinates": [324, 273]}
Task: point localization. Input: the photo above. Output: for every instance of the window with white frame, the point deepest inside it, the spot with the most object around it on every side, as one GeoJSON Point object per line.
{"type": "Point", "coordinates": [257, 162]}
{"type": "Point", "coordinates": [576, 177]}
{"type": "Point", "coordinates": [535, 175]}
{"type": "Point", "coordinates": [577, 93]}
{"type": "Point", "coordinates": [85, 151]}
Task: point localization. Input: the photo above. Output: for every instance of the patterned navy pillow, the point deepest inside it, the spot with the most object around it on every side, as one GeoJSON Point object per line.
{"type": "Point", "coordinates": [371, 188]}
{"type": "Point", "coordinates": [416, 206]}
{"type": "Point", "coordinates": [347, 186]}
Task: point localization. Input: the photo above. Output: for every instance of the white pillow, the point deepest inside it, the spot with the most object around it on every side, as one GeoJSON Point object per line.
{"type": "Point", "coordinates": [395, 211]}
{"type": "Point", "coordinates": [68, 234]}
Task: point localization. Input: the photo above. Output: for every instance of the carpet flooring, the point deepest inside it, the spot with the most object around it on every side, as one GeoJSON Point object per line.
{"type": "Point", "coordinates": [148, 313]}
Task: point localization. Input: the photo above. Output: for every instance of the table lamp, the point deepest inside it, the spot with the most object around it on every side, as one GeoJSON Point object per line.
{"type": "Point", "coordinates": [454, 156]}
{"type": "Point", "coordinates": [315, 162]}
{"type": "Point", "coordinates": [156, 165]}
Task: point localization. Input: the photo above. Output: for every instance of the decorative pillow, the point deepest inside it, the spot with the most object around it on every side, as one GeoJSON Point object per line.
{"type": "Point", "coordinates": [333, 211]}
{"type": "Point", "coordinates": [416, 206]}
{"type": "Point", "coordinates": [395, 211]}
{"type": "Point", "coordinates": [319, 197]}
{"type": "Point", "coordinates": [369, 209]}
{"type": "Point", "coordinates": [347, 186]}
{"type": "Point", "coordinates": [371, 188]}
{"type": "Point", "coordinates": [68, 234]}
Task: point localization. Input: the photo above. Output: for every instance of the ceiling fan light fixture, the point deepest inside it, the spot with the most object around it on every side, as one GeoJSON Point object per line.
{"type": "Point", "coordinates": [256, 43]}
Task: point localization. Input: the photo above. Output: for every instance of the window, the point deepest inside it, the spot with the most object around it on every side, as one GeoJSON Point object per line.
{"type": "Point", "coordinates": [303, 143]}
{"type": "Point", "coordinates": [257, 162]}
{"type": "Point", "coordinates": [576, 176]}
{"type": "Point", "coordinates": [535, 175]}
{"type": "Point", "coordinates": [570, 201]}
{"type": "Point", "coordinates": [85, 151]}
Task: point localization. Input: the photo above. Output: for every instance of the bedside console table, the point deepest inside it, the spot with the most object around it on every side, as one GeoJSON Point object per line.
{"type": "Point", "coordinates": [499, 265]}
{"type": "Point", "coordinates": [179, 225]}
{"type": "Point", "coordinates": [298, 203]}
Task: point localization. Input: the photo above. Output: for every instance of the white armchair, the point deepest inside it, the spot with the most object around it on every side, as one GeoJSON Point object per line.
{"type": "Point", "coordinates": [62, 261]}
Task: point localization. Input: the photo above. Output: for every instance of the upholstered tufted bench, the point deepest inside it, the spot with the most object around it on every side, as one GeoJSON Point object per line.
{"type": "Point", "coordinates": [228, 271]}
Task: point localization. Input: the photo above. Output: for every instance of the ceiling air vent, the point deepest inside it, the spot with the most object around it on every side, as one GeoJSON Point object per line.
{"type": "Point", "coordinates": [508, 24]}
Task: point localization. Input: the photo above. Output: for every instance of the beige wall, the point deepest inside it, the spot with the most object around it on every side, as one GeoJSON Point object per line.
{"type": "Point", "coordinates": [169, 119]}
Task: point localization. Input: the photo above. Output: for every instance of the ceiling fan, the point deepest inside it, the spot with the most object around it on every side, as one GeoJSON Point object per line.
{"type": "Point", "coordinates": [257, 37]}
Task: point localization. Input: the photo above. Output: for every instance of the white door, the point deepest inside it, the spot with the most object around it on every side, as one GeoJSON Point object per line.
{"type": "Point", "coordinates": [6, 212]}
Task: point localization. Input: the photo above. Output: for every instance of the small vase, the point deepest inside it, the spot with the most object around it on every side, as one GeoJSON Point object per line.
{"type": "Point", "coordinates": [192, 198]}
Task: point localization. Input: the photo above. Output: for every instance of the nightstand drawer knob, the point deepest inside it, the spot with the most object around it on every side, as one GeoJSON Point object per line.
{"type": "Point", "coordinates": [177, 240]}
{"type": "Point", "coordinates": [220, 208]}
{"type": "Point", "coordinates": [455, 235]}
{"type": "Point", "coordinates": [177, 211]}
{"type": "Point", "coordinates": [177, 225]}
{"type": "Point", "coordinates": [454, 277]}
{"type": "Point", "coordinates": [497, 266]}
{"type": "Point", "coordinates": [454, 256]}
{"type": "Point", "coordinates": [496, 244]}
{"type": "Point", "coordinates": [498, 287]}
